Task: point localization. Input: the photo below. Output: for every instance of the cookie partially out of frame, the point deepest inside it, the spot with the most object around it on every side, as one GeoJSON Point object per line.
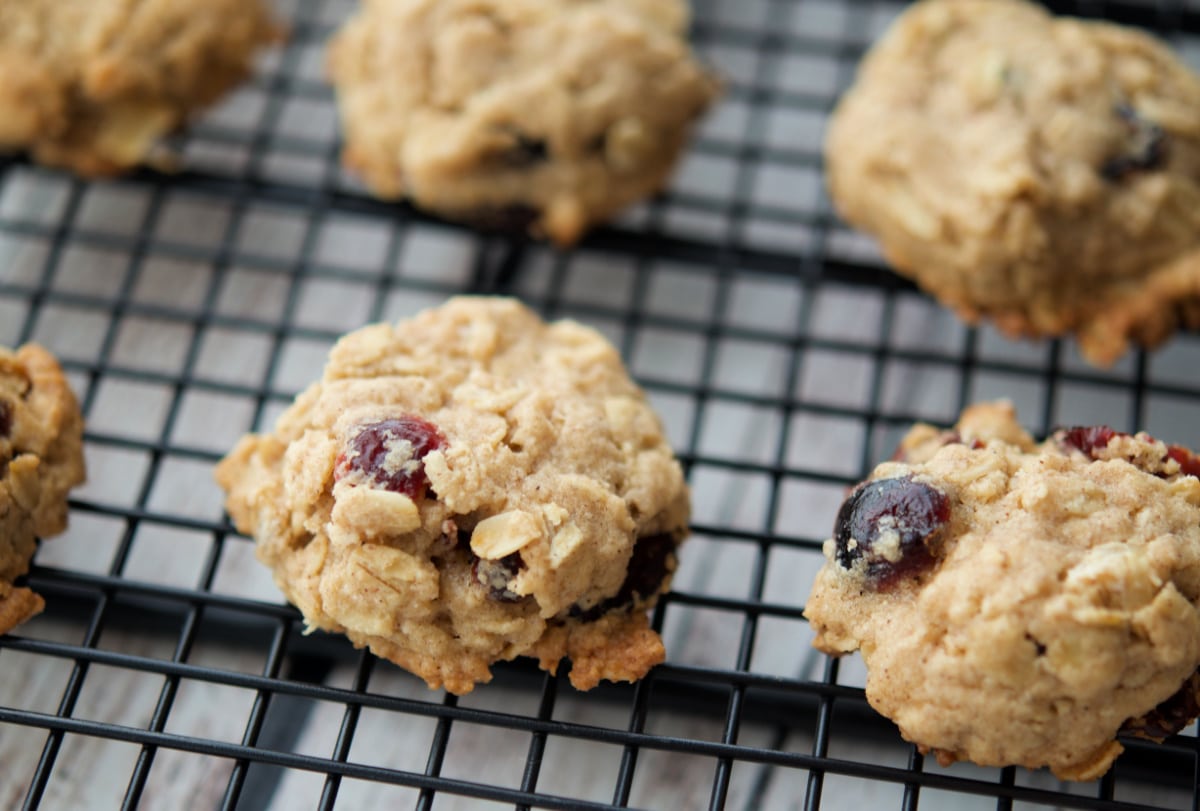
{"type": "Point", "coordinates": [41, 459]}
{"type": "Point", "coordinates": [92, 85]}
{"type": "Point", "coordinates": [1021, 603]}
{"type": "Point", "coordinates": [470, 486]}
{"type": "Point", "coordinates": [1039, 172]}
{"type": "Point", "coordinates": [539, 115]}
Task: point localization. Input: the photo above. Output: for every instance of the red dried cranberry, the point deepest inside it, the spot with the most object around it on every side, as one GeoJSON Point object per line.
{"type": "Point", "coordinates": [498, 575]}
{"type": "Point", "coordinates": [649, 564]}
{"type": "Point", "coordinates": [1146, 146]}
{"type": "Point", "coordinates": [5, 419]}
{"type": "Point", "coordinates": [388, 454]}
{"type": "Point", "coordinates": [955, 438]}
{"type": "Point", "coordinates": [525, 152]}
{"type": "Point", "coordinates": [511, 219]}
{"type": "Point", "coordinates": [1189, 463]}
{"type": "Point", "coordinates": [448, 540]}
{"type": "Point", "coordinates": [1089, 439]}
{"type": "Point", "coordinates": [916, 512]}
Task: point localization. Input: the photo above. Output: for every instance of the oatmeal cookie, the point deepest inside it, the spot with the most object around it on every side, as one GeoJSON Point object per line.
{"type": "Point", "coordinates": [546, 115]}
{"type": "Point", "coordinates": [1040, 172]}
{"type": "Point", "coordinates": [1021, 603]}
{"type": "Point", "coordinates": [41, 459]}
{"type": "Point", "coordinates": [470, 486]}
{"type": "Point", "coordinates": [92, 85]}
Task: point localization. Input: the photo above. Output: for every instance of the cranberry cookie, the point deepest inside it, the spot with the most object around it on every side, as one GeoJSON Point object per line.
{"type": "Point", "coordinates": [546, 115]}
{"type": "Point", "coordinates": [1021, 603]}
{"type": "Point", "coordinates": [41, 458]}
{"type": "Point", "coordinates": [1040, 172]}
{"type": "Point", "coordinates": [92, 85]}
{"type": "Point", "coordinates": [470, 486]}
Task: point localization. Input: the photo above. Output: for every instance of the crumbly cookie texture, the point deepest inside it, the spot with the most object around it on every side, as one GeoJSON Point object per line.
{"type": "Point", "coordinates": [468, 486]}
{"type": "Point", "coordinates": [545, 115]}
{"type": "Point", "coordinates": [1040, 172]}
{"type": "Point", "coordinates": [1021, 603]}
{"type": "Point", "coordinates": [41, 459]}
{"type": "Point", "coordinates": [92, 85]}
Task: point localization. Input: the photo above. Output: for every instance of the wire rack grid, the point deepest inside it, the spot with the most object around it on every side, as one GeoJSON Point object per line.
{"type": "Point", "coordinates": [167, 671]}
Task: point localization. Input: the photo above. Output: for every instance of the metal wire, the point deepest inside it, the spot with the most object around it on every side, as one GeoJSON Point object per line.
{"type": "Point", "coordinates": [780, 727]}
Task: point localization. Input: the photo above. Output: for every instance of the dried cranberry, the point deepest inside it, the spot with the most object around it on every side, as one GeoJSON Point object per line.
{"type": "Point", "coordinates": [955, 438]}
{"type": "Point", "coordinates": [512, 219]}
{"type": "Point", "coordinates": [519, 150]}
{"type": "Point", "coordinates": [1089, 439]}
{"type": "Point", "coordinates": [903, 510]}
{"type": "Point", "coordinates": [1170, 716]}
{"type": "Point", "coordinates": [524, 153]}
{"type": "Point", "coordinates": [5, 419]}
{"type": "Point", "coordinates": [448, 540]}
{"type": "Point", "coordinates": [388, 454]}
{"type": "Point", "coordinates": [1092, 439]}
{"type": "Point", "coordinates": [1189, 463]}
{"type": "Point", "coordinates": [497, 575]}
{"type": "Point", "coordinates": [649, 564]}
{"type": "Point", "coordinates": [598, 144]}
{"type": "Point", "coordinates": [1146, 147]}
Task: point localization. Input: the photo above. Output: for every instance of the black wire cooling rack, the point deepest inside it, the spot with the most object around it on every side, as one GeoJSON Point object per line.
{"type": "Point", "coordinates": [167, 672]}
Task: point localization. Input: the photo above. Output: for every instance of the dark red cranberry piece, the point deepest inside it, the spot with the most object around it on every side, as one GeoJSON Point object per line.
{"type": "Point", "coordinates": [520, 151]}
{"type": "Point", "coordinates": [1189, 463]}
{"type": "Point", "coordinates": [648, 565]}
{"type": "Point", "coordinates": [448, 540]}
{"type": "Point", "coordinates": [916, 512]}
{"type": "Point", "coordinates": [652, 559]}
{"type": "Point", "coordinates": [1089, 439]}
{"type": "Point", "coordinates": [498, 575]}
{"type": "Point", "coordinates": [388, 454]}
{"type": "Point", "coordinates": [513, 219]}
{"type": "Point", "coordinates": [525, 152]}
{"type": "Point", "coordinates": [1092, 439]}
{"type": "Point", "coordinates": [5, 419]}
{"type": "Point", "coordinates": [1146, 146]}
{"type": "Point", "coordinates": [1169, 717]}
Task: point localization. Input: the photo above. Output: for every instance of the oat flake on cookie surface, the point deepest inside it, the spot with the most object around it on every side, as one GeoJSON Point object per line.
{"type": "Point", "coordinates": [1021, 603]}
{"type": "Point", "coordinates": [468, 486]}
